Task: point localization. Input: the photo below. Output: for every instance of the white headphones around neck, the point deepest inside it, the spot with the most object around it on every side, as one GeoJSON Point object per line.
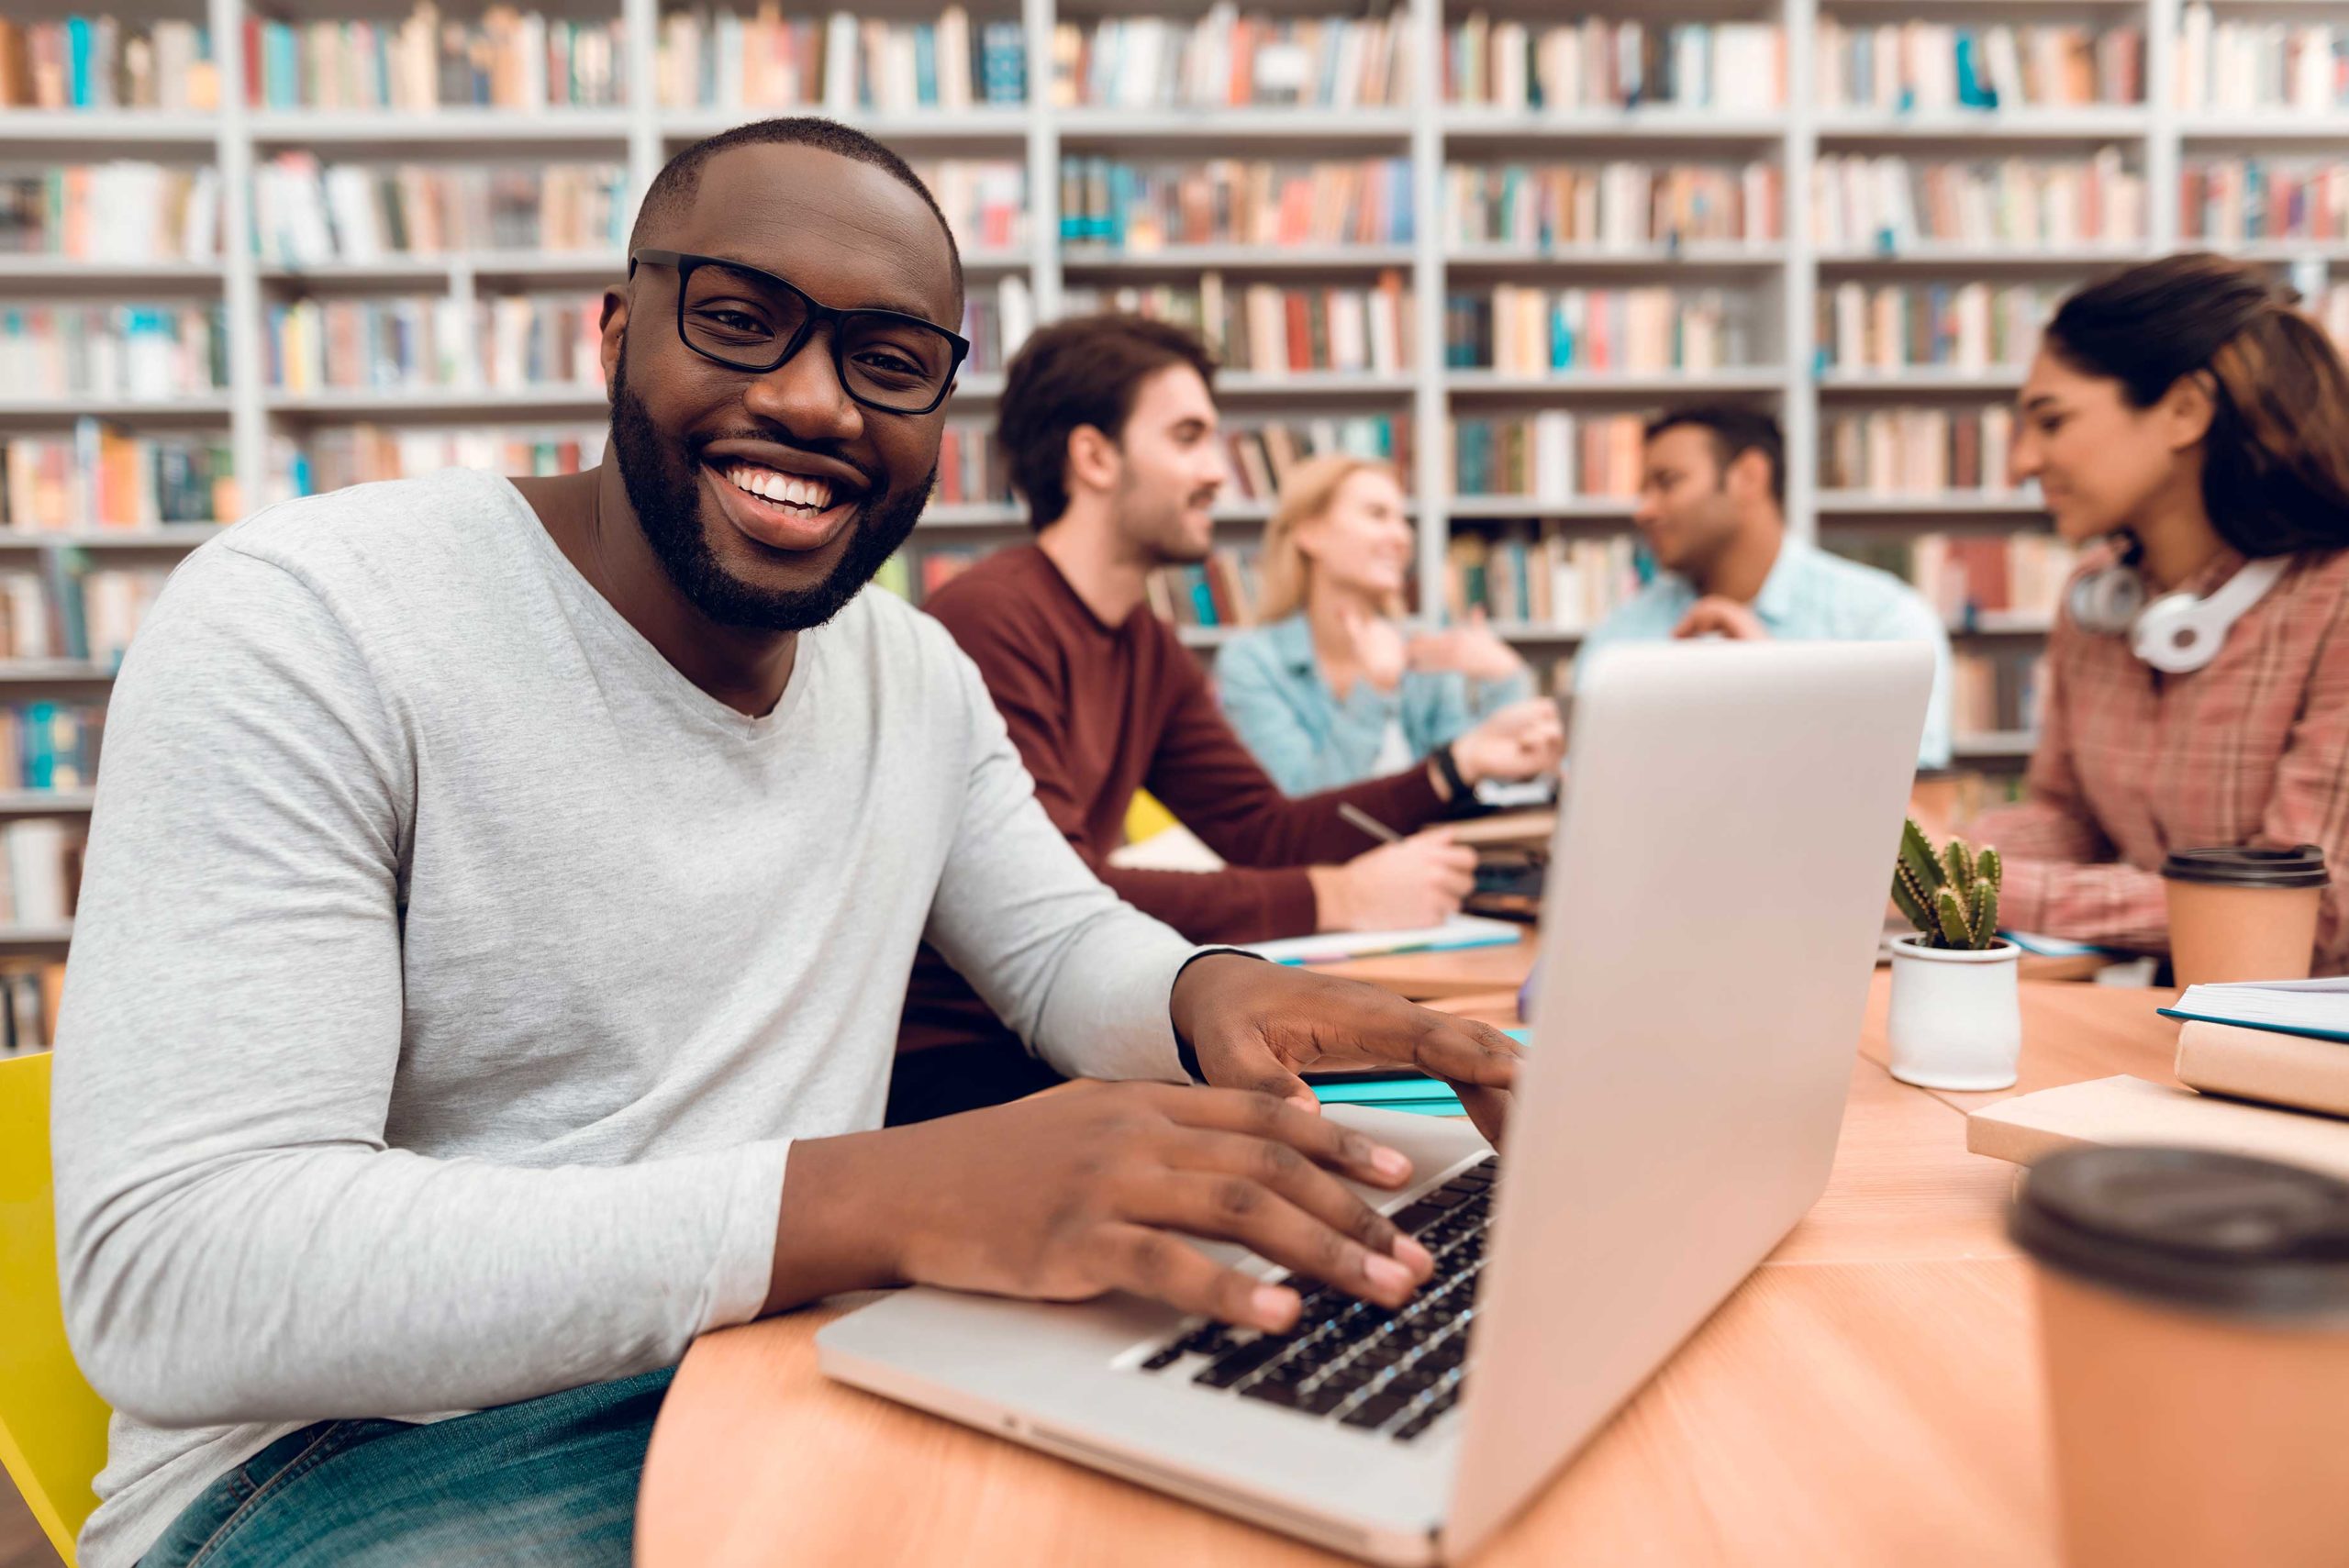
{"type": "Point", "coordinates": [2178, 633]}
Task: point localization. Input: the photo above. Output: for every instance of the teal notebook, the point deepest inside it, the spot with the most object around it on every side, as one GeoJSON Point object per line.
{"type": "Point", "coordinates": [1417, 1095]}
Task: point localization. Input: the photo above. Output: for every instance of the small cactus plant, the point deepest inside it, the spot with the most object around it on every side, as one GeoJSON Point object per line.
{"type": "Point", "coordinates": [1952, 897]}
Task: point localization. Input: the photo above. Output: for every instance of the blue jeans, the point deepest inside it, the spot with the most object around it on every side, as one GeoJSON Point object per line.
{"type": "Point", "coordinates": [549, 1481]}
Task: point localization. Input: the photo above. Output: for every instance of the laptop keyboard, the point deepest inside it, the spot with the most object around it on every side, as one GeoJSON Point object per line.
{"type": "Point", "coordinates": [1395, 1371]}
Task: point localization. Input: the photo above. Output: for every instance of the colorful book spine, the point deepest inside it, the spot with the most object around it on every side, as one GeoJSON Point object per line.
{"type": "Point", "coordinates": [1526, 330]}
{"type": "Point", "coordinates": [1613, 206]}
{"type": "Point", "coordinates": [1863, 204]}
{"type": "Point", "coordinates": [1606, 64]}
{"type": "Point", "coordinates": [1225, 201]}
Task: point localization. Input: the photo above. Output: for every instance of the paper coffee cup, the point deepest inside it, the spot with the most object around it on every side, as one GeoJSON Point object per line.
{"type": "Point", "coordinates": [2194, 1336]}
{"type": "Point", "coordinates": [2242, 913]}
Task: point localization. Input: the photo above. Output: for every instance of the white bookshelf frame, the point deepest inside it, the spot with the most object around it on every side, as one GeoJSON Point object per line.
{"type": "Point", "coordinates": [2156, 136]}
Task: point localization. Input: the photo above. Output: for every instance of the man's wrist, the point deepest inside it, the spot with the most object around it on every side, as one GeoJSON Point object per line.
{"type": "Point", "coordinates": [1332, 907]}
{"type": "Point", "coordinates": [836, 1229]}
{"type": "Point", "coordinates": [1186, 1056]}
{"type": "Point", "coordinates": [1455, 779]}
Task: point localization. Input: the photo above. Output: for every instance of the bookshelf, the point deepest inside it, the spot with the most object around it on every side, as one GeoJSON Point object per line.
{"type": "Point", "coordinates": [1780, 279]}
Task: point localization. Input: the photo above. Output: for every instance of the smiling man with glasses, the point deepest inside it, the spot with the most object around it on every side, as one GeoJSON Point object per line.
{"type": "Point", "coordinates": [497, 913]}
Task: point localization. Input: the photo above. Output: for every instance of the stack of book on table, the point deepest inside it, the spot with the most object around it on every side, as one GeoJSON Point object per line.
{"type": "Point", "coordinates": [2267, 1065]}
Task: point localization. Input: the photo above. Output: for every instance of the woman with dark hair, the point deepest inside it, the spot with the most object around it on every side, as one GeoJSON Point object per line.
{"type": "Point", "coordinates": [2197, 683]}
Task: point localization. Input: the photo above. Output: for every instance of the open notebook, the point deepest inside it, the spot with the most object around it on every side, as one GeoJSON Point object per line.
{"type": "Point", "coordinates": [1336, 947]}
{"type": "Point", "coordinates": [2317, 1008]}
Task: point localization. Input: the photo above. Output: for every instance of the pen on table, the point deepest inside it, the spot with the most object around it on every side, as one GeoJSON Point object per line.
{"type": "Point", "coordinates": [1368, 824]}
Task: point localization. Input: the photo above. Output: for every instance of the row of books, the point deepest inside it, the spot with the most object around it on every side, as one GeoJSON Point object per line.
{"type": "Point", "coordinates": [1232, 201]}
{"type": "Point", "coordinates": [1966, 327]}
{"type": "Point", "coordinates": [30, 990]}
{"type": "Point", "coordinates": [1967, 577]}
{"type": "Point", "coordinates": [841, 63]}
{"type": "Point", "coordinates": [2231, 199]}
{"type": "Point", "coordinates": [1996, 692]}
{"type": "Point", "coordinates": [62, 613]}
{"type": "Point", "coordinates": [360, 453]}
{"type": "Point", "coordinates": [1616, 205]}
{"type": "Point", "coordinates": [984, 199]}
{"type": "Point", "coordinates": [916, 575]}
{"type": "Point", "coordinates": [424, 343]}
{"type": "Point", "coordinates": [305, 212]}
{"type": "Point", "coordinates": [114, 351]}
{"type": "Point", "coordinates": [1554, 579]}
{"type": "Point", "coordinates": [997, 318]}
{"type": "Point", "coordinates": [972, 470]}
{"type": "Point", "coordinates": [127, 210]}
{"type": "Point", "coordinates": [102, 63]}
{"type": "Point", "coordinates": [50, 745]}
{"type": "Point", "coordinates": [101, 477]}
{"type": "Point", "coordinates": [1551, 457]}
{"type": "Point", "coordinates": [1905, 66]}
{"type": "Point", "coordinates": [1272, 330]}
{"type": "Point", "coordinates": [1861, 203]}
{"type": "Point", "coordinates": [1608, 63]}
{"type": "Point", "coordinates": [2259, 65]}
{"type": "Point", "coordinates": [1527, 330]}
{"type": "Point", "coordinates": [1223, 590]}
{"type": "Point", "coordinates": [40, 870]}
{"type": "Point", "coordinates": [1916, 451]}
{"type": "Point", "coordinates": [505, 57]}
{"type": "Point", "coordinates": [1227, 59]}
{"type": "Point", "coordinates": [1262, 456]}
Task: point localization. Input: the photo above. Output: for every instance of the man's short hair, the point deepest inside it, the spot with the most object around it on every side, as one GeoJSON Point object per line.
{"type": "Point", "coordinates": [672, 190]}
{"type": "Point", "coordinates": [1735, 432]}
{"type": "Point", "coordinates": [1084, 371]}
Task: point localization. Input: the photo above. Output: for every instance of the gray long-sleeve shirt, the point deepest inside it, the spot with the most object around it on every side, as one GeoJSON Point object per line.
{"type": "Point", "coordinates": [452, 973]}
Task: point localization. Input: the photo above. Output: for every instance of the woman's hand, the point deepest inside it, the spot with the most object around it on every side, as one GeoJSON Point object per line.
{"type": "Point", "coordinates": [1380, 649]}
{"type": "Point", "coordinates": [1472, 650]}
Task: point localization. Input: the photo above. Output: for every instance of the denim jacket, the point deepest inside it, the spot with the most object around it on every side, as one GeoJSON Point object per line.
{"type": "Point", "coordinates": [1309, 738]}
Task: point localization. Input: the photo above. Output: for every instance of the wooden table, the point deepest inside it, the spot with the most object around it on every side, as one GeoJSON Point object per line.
{"type": "Point", "coordinates": [1868, 1396]}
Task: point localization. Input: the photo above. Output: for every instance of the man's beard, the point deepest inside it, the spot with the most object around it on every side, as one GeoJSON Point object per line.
{"type": "Point", "coordinates": [668, 511]}
{"type": "Point", "coordinates": [1159, 529]}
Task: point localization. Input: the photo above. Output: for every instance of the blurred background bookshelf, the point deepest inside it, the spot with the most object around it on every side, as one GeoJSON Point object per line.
{"type": "Point", "coordinates": [253, 251]}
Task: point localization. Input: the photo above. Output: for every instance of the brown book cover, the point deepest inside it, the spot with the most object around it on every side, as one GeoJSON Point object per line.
{"type": "Point", "coordinates": [2291, 1069]}
{"type": "Point", "coordinates": [2111, 1111]}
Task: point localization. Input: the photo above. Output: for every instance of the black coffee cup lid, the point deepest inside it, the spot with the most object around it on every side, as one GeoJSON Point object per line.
{"type": "Point", "coordinates": [2249, 866]}
{"type": "Point", "coordinates": [2192, 1227]}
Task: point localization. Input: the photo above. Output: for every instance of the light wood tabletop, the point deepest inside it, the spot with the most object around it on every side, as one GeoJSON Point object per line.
{"type": "Point", "coordinates": [1869, 1395]}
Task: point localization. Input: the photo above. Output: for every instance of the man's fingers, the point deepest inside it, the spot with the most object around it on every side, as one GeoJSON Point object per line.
{"type": "Point", "coordinates": [1264, 1075]}
{"type": "Point", "coordinates": [1283, 1170]}
{"type": "Point", "coordinates": [1158, 1266]}
{"type": "Point", "coordinates": [1488, 1110]}
{"type": "Point", "coordinates": [1240, 1209]}
{"type": "Point", "coordinates": [1466, 1051]}
{"type": "Point", "coordinates": [1265, 1117]}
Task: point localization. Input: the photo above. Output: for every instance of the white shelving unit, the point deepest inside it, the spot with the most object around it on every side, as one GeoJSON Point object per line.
{"type": "Point", "coordinates": [1783, 275]}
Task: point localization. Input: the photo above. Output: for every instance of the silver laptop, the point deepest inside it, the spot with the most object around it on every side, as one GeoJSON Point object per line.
{"type": "Point", "coordinates": [1716, 898]}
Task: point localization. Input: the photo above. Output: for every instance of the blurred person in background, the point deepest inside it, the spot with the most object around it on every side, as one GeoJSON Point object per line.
{"type": "Point", "coordinates": [1329, 690]}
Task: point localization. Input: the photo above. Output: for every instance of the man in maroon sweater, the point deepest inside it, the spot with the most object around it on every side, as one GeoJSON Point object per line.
{"type": "Point", "coordinates": [1110, 427]}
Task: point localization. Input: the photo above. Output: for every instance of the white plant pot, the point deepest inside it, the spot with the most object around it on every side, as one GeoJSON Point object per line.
{"type": "Point", "coordinates": [1956, 1020]}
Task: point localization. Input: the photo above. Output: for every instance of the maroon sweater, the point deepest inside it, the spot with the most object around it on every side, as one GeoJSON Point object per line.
{"type": "Point", "coordinates": [1098, 712]}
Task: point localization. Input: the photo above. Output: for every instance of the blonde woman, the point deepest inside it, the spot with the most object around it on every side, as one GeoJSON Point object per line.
{"type": "Point", "coordinates": [1329, 690]}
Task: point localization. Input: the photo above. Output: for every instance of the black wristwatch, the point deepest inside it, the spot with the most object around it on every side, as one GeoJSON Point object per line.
{"type": "Point", "coordinates": [1449, 766]}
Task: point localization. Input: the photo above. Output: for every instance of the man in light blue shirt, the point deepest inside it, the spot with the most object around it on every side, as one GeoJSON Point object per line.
{"type": "Point", "coordinates": [1712, 511]}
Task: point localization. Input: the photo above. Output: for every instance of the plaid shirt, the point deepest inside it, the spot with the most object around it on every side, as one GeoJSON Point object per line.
{"type": "Point", "coordinates": [2251, 749]}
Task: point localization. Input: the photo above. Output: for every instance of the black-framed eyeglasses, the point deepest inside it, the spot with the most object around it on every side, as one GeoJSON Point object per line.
{"type": "Point", "coordinates": [746, 319]}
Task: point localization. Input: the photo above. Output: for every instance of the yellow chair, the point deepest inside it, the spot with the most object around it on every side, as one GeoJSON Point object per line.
{"type": "Point", "coordinates": [52, 1424]}
{"type": "Point", "coordinates": [1145, 817]}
